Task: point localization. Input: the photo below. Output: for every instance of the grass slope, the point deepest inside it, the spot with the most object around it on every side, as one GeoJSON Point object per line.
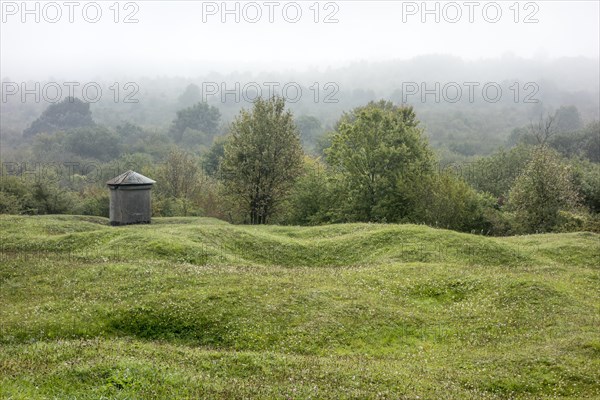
{"type": "Point", "coordinates": [197, 308]}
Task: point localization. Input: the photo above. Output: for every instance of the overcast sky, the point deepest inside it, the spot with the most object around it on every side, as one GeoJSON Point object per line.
{"type": "Point", "coordinates": [189, 38]}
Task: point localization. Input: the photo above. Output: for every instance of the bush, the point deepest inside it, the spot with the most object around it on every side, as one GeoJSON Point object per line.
{"type": "Point", "coordinates": [10, 204]}
{"type": "Point", "coordinates": [15, 196]}
{"type": "Point", "coordinates": [95, 201]}
{"type": "Point", "coordinates": [502, 222]}
{"type": "Point", "coordinates": [448, 202]}
{"type": "Point", "coordinates": [592, 223]}
{"type": "Point", "coordinates": [49, 198]}
{"type": "Point", "coordinates": [570, 222]}
{"type": "Point", "coordinates": [587, 181]}
{"type": "Point", "coordinates": [308, 201]}
{"type": "Point", "coordinates": [543, 190]}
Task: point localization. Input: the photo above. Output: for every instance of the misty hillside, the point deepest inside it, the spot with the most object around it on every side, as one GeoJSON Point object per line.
{"type": "Point", "coordinates": [473, 117]}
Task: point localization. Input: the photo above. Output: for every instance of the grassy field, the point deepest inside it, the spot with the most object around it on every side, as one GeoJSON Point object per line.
{"type": "Point", "coordinates": [197, 308]}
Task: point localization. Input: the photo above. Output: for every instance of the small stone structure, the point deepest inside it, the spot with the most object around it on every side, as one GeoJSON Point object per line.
{"type": "Point", "coordinates": [130, 199]}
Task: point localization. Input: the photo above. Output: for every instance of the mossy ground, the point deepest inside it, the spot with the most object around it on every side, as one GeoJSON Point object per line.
{"type": "Point", "coordinates": [197, 308]}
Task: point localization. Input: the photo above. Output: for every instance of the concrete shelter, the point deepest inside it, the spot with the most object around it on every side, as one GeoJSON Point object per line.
{"type": "Point", "coordinates": [130, 201]}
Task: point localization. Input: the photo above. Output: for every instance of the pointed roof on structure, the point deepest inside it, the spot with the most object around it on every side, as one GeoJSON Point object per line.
{"type": "Point", "coordinates": [130, 178]}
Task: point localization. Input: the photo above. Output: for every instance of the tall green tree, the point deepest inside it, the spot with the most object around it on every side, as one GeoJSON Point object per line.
{"type": "Point", "coordinates": [543, 189]}
{"type": "Point", "coordinates": [381, 152]}
{"type": "Point", "coordinates": [262, 158]}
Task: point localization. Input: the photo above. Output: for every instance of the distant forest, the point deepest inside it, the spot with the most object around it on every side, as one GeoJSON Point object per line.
{"type": "Point", "coordinates": [477, 127]}
{"type": "Point", "coordinates": [475, 115]}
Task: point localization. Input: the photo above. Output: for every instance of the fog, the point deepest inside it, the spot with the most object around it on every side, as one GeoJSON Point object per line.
{"type": "Point", "coordinates": [191, 38]}
{"type": "Point", "coordinates": [473, 71]}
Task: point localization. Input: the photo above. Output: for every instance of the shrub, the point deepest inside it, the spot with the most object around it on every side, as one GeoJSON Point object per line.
{"type": "Point", "coordinates": [543, 190]}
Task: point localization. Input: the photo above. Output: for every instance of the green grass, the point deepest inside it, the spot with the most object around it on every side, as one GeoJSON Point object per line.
{"type": "Point", "coordinates": [197, 308]}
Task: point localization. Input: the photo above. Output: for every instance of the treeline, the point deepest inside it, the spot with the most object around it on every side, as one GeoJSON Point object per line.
{"type": "Point", "coordinates": [458, 128]}
{"type": "Point", "coordinates": [375, 165]}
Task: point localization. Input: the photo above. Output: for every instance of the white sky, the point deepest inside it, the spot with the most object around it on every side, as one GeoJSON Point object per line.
{"type": "Point", "coordinates": [171, 37]}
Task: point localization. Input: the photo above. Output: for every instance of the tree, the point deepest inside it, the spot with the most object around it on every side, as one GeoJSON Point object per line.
{"type": "Point", "coordinates": [541, 191]}
{"type": "Point", "coordinates": [544, 129]}
{"type": "Point", "coordinates": [591, 147]}
{"type": "Point", "coordinates": [129, 133]}
{"type": "Point", "coordinates": [200, 117]}
{"type": "Point", "coordinates": [496, 173]}
{"type": "Point", "coordinates": [50, 147]}
{"type": "Point", "coordinates": [449, 202]}
{"type": "Point", "coordinates": [311, 199]}
{"type": "Point", "coordinates": [587, 182]}
{"type": "Point", "coordinates": [190, 96]}
{"type": "Point", "coordinates": [68, 114]}
{"type": "Point", "coordinates": [15, 195]}
{"type": "Point", "coordinates": [380, 150]}
{"type": "Point", "coordinates": [309, 128]}
{"type": "Point", "coordinates": [97, 142]}
{"type": "Point", "coordinates": [212, 158]}
{"type": "Point", "coordinates": [180, 180]}
{"type": "Point", "coordinates": [568, 119]}
{"type": "Point", "coordinates": [263, 157]}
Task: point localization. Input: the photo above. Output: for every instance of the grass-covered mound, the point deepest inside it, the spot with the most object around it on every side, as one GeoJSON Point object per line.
{"type": "Point", "coordinates": [197, 308]}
